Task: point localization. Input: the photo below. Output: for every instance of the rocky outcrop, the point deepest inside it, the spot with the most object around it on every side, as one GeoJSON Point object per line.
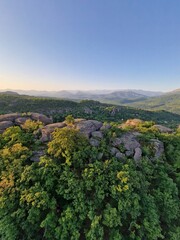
{"type": "Point", "coordinates": [4, 125]}
{"type": "Point", "coordinates": [94, 142]}
{"type": "Point", "coordinates": [120, 156]}
{"type": "Point", "coordinates": [113, 151]}
{"type": "Point", "coordinates": [40, 117]}
{"type": "Point", "coordinates": [125, 146]}
{"type": "Point", "coordinates": [77, 120]}
{"type": "Point", "coordinates": [10, 117]}
{"type": "Point", "coordinates": [129, 153]}
{"type": "Point", "coordinates": [163, 129]}
{"type": "Point", "coordinates": [18, 119]}
{"type": "Point", "coordinates": [158, 147]}
{"type": "Point", "coordinates": [48, 129]}
{"type": "Point", "coordinates": [21, 120]}
{"type": "Point", "coordinates": [97, 134]}
{"type": "Point", "coordinates": [128, 140]}
{"type": "Point", "coordinates": [88, 126]}
{"type": "Point", "coordinates": [137, 154]}
{"type": "Point", "coordinates": [130, 145]}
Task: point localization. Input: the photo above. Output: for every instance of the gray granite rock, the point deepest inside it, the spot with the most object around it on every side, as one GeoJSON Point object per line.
{"type": "Point", "coordinates": [128, 140]}
{"type": "Point", "coordinates": [4, 125]}
{"type": "Point", "coordinates": [40, 117]}
{"type": "Point", "coordinates": [97, 134]}
{"type": "Point", "coordinates": [48, 129]}
{"type": "Point", "coordinates": [113, 151]}
{"type": "Point", "coordinates": [120, 155]}
{"type": "Point", "coordinates": [158, 148]}
{"type": "Point", "coordinates": [88, 126]}
{"type": "Point", "coordinates": [129, 153]}
{"type": "Point", "coordinates": [21, 120]}
{"type": "Point", "coordinates": [94, 142]}
{"type": "Point", "coordinates": [10, 117]}
{"type": "Point", "coordinates": [137, 154]}
{"type": "Point", "coordinates": [163, 129]}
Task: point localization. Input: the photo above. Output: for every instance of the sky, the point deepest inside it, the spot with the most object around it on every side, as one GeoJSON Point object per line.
{"type": "Point", "coordinates": [90, 44]}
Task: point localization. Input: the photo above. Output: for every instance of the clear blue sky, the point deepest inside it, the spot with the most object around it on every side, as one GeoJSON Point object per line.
{"type": "Point", "coordinates": [90, 44]}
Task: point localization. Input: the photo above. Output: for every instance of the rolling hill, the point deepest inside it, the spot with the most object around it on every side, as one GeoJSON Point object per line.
{"type": "Point", "coordinates": [169, 102]}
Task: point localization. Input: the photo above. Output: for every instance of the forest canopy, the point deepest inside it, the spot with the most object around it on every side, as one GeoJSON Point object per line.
{"type": "Point", "coordinates": [79, 191]}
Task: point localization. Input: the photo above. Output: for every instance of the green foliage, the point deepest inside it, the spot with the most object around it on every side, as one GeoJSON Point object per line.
{"type": "Point", "coordinates": [69, 120]}
{"type": "Point", "coordinates": [71, 193]}
{"type": "Point", "coordinates": [169, 102]}
{"type": "Point", "coordinates": [65, 143]}
{"type": "Point", "coordinates": [31, 125]}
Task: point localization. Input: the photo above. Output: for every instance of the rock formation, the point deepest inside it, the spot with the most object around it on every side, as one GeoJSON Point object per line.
{"type": "Point", "coordinates": [127, 145]}
{"type": "Point", "coordinates": [163, 129]}
{"type": "Point", "coordinates": [4, 125]}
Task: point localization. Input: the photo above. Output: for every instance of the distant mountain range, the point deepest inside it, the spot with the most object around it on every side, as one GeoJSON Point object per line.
{"type": "Point", "coordinates": [9, 93]}
{"type": "Point", "coordinates": [94, 94]}
{"type": "Point", "coordinates": [148, 100]}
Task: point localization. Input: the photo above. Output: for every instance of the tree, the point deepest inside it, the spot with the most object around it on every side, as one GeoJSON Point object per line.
{"type": "Point", "coordinates": [65, 143]}
{"type": "Point", "coordinates": [69, 120]}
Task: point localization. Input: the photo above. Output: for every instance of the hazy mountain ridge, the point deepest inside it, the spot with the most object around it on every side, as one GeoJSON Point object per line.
{"type": "Point", "coordinates": [169, 102]}
{"type": "Point", "coordinates": [9, 93]}
{"type": "Point", "coordinates": [148, 100]}
{"type": "Point", "coordinates": [91, 94]}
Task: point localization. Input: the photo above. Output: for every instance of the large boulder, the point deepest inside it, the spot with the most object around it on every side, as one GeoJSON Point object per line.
{"type": "Point", "coordinates": [137, 154]}
{"type": "Point", "coordinates": [129, 153]}
{"type": "Point", "coordinates": [94, 142]}
{"type": "Point", "coordinates": [120, 156]}
{"type": "Point", "coordinates": [77, 120]}
{"type": "Point", "coordinates": [40, 117]}
{"type": "Point", "coordinates": [113, 151]}
{"type": "Point", "coordinates": [4, 125]}
{"type": "Point", "coordinates": [21, 120]}
{"type": "Point", "coordinates": [9, 117]}
{"type": "Point", "coordinates": [158, 147]}
{"type": "Point", "coordinates": [48, 129]}
{"type": "Point", "coordinates": [88, 126]}
{"type": "Point", "coordinates": [97, 134]}
{"type": "Point", "coordinates": [163, 129]}
{"type": "Point", "coordinates": [128, 140]}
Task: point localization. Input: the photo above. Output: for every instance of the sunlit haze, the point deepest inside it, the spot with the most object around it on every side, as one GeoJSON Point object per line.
{"type": "Point", "coordinates": [86, 45]}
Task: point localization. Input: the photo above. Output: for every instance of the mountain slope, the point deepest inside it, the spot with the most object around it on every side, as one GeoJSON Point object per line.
{"type": "Point", "coordinates": [59, 109]}
{"type": "Point", "coordinates": [169, 102]}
